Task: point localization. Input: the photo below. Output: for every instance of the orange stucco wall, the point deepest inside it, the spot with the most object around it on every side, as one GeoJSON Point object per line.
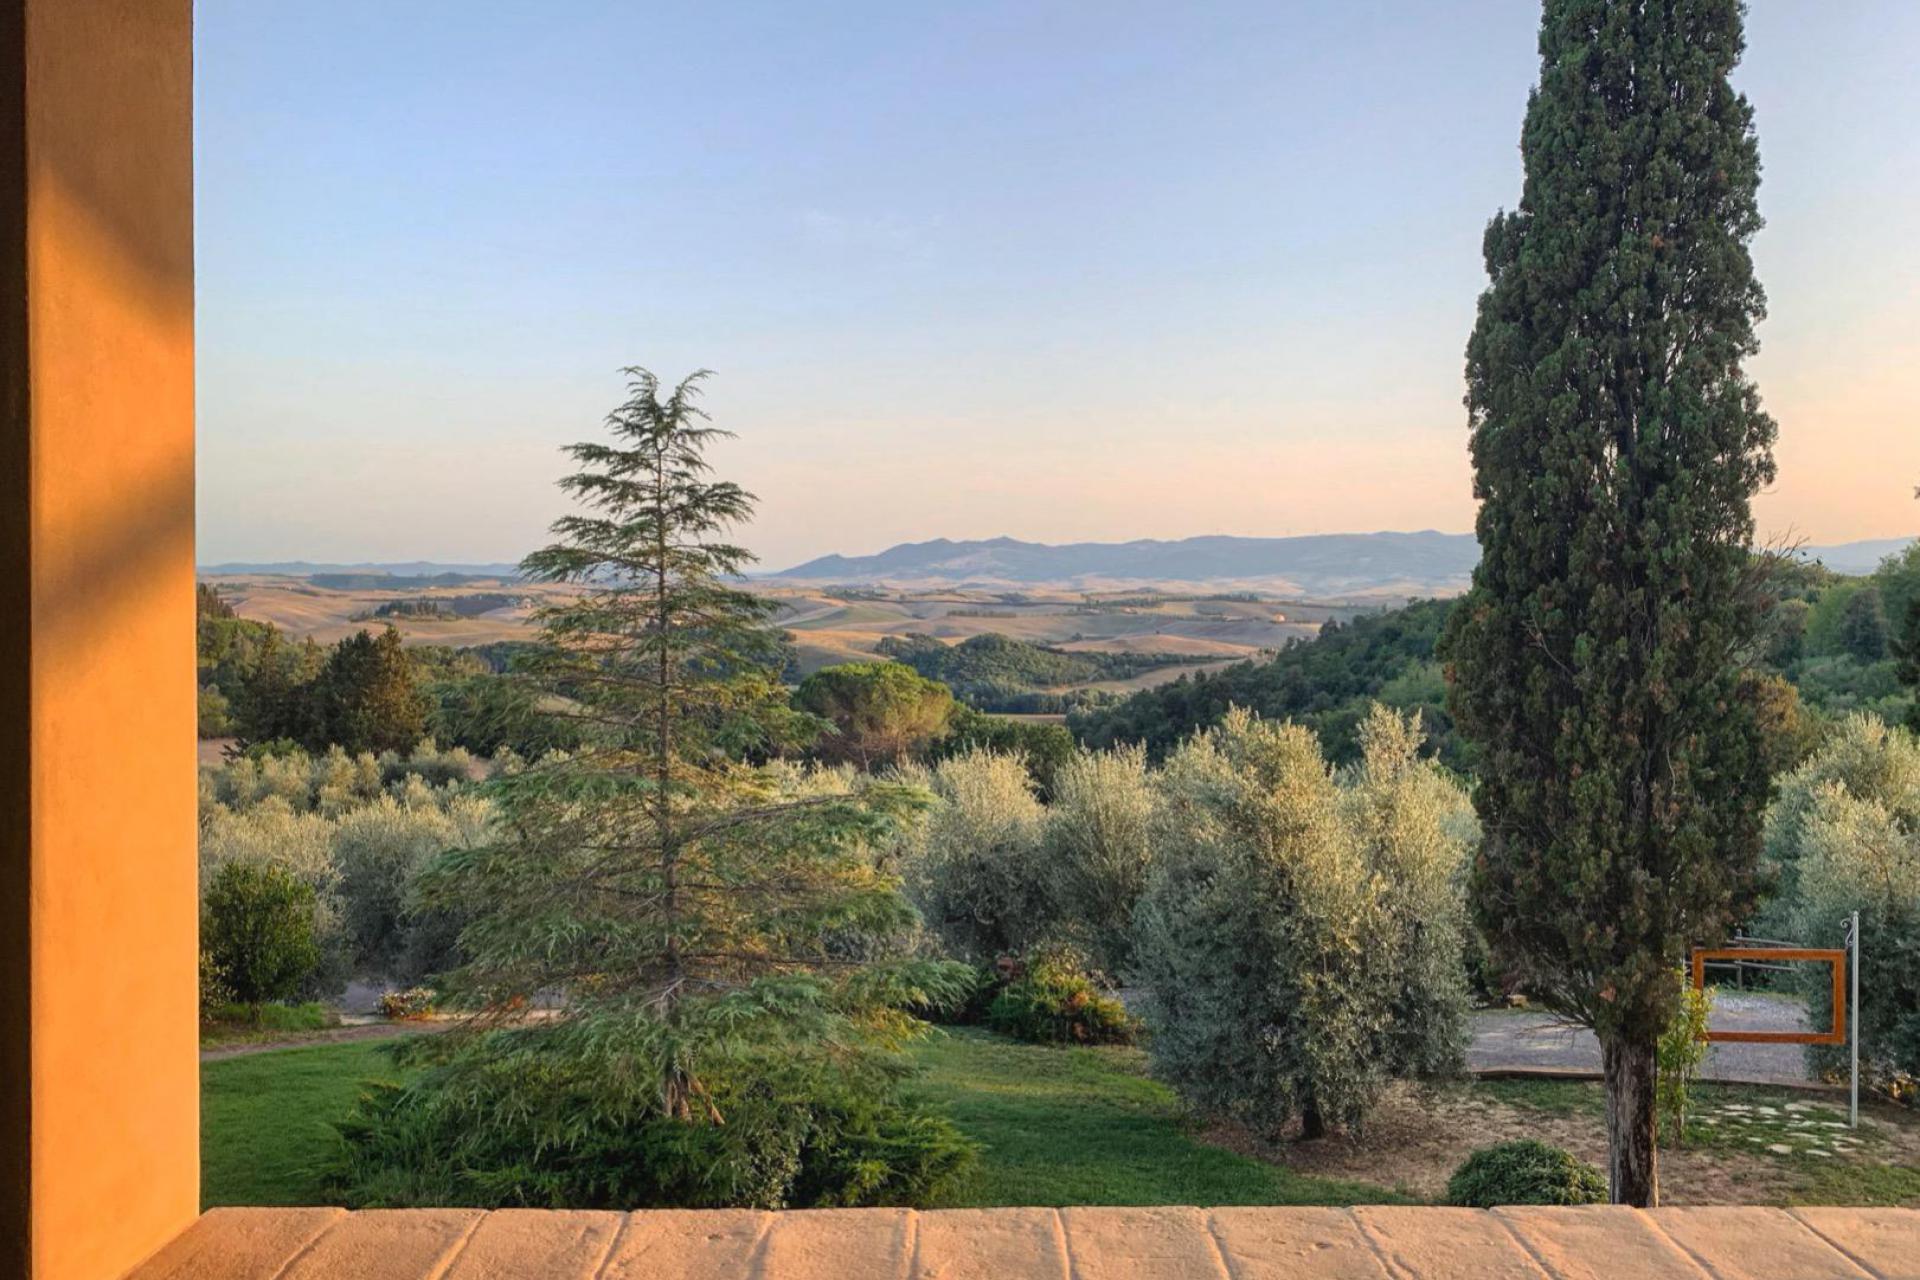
{"type": "Point", "coordinates": [96, 582]}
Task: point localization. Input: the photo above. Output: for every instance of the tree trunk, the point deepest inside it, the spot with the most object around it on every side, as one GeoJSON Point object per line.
{"type": "Point", "coordinates": [1633, 1155]}
{"type": "Point", "coordinates": [1312, 1123]}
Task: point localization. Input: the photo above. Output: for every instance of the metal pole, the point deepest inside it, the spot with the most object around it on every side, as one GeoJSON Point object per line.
{"type": "Point", "coordinates": [1853, 1027]}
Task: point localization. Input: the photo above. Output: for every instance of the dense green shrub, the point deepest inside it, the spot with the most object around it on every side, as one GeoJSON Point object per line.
{"type": "Point", "coordinates": [1414, 829]}
{"type": "Point", "coordinates": [1840, 684]}
{"type": "Point", "coordinates": [379, 850]}
{"type": "Point", "coordinates": [407, 1006]}
{"type": "Point", "coordinates": [1053, 1001]}
{"type": "Point", "coordinates": [1525, 1171]}
{"type": "Point", "coordinates": [1299, 940]}
{"type": "Point", "coordinates": [772, 1135]}
{"type": "Point", "coordinates": [977, 992]}
{"type": "Point", "coordinates": [215, 994]}
{"type": "Point", "coordinates": [215, 713]}
{"type": "Point", "coordinates": [431, 765]}
{"type": "Point", "coordinates": [257, 929]}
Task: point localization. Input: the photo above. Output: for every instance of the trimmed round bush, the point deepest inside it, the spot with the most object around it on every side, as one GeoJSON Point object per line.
{"type": "Point", "coordinates": [1526, 1171]}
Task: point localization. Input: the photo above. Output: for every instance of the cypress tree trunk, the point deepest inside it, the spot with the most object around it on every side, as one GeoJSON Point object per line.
{"type": "Point", "coordinates": [1633, 1156]}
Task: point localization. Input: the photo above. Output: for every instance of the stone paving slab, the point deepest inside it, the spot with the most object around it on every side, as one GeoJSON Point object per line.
{"type": "Point", "coordinates": [1437, 1244]}
{"type": "Point", "coordinates": [1598, 1242]}
{"type": "Point", "coordinates": [989, 1244]}
{"type": "Point", "coordinates": [400, 1243]}
{"type": "Point", "coordinates": [685, 1244]}
{"type": "Point", "coordinates": [1140, 1244]}
{"type": "Point", "coordinates": [1761, 1244]}
{"type": "Point", "coordinates": [1880, 1240]}
{"type": "Point", "coordinates": [1367, 1243]}
{"type": "Point", "coordinates": [873, 1243]}
{"type": "Point", "coordinates": [240, 1243]}
{"type": "Point", "coordinates": [1296, 1244]}
{"type": "Point", "coordinates": [564, 1243]}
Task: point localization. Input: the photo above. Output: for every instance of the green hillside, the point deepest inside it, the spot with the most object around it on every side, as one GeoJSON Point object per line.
{"type": "Point", "coordinates": [1325, 683]}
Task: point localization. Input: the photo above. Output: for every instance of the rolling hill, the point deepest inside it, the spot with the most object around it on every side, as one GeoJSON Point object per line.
{"type": "Point", "coordinates": [1321, 565]}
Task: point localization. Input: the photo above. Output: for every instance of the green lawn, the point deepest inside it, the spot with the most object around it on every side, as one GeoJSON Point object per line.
{"type": "Point", "coordinates": [266, 1120]}
{"type": "Point", "coordinates": [1086, 1126]}
{"type": "Point", "coordinates": [1059, 1127]}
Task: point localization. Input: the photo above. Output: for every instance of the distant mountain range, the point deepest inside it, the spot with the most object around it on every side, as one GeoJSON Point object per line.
{"type": "Point", "coordinates": [1328, 565]}
{"type": "Point", "coordinates": [1426, 563]}
{"type": "Point", "coordinates": [1856, 557]}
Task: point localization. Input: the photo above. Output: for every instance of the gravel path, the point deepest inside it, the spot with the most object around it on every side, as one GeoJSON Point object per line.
{"type": "Point", "coordinates": [1510, 1039]}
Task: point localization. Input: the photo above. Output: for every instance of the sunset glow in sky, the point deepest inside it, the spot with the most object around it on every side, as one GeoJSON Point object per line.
{"type": "Point", "coordinates": [1075, 270]}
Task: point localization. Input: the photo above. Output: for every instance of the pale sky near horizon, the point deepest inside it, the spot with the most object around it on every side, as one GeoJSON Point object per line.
{"type": "Point", "coordinates": [1063, 271]}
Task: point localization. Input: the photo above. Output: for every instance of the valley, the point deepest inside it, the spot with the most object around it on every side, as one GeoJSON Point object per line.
{"type": "Point", "coordinates": [1178, 632]}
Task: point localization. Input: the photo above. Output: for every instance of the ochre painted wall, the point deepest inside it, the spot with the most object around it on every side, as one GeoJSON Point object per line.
{"type": "Point", "coordinates": [96, 648]}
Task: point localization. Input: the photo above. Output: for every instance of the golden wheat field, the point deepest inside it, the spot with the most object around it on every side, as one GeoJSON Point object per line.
{"type": "Point", "coordinates": [827, 626]}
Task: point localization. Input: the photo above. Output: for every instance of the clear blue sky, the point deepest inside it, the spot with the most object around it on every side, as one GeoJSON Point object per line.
{"type": "Point", "coordinates": [1055, 270]}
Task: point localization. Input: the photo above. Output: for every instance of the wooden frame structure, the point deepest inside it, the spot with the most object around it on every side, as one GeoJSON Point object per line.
{"type": "Point", "coordinates": [1835, 959]}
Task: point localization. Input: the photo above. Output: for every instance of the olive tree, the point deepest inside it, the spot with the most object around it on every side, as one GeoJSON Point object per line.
{"type": "Point", "coordinates": [1846, 830]}
{"type": "Point", "coordinates": [1098, 845]}
{"type": "Point", "coordinates": [977, 872]}
{"type": "Point", "coordinates": [1298, 940]}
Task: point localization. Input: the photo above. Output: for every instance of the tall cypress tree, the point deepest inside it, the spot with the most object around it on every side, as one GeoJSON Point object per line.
{"type": "Point", "coordinates": [1616, 445]}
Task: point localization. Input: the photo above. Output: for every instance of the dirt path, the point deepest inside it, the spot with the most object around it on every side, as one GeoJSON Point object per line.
{"type": "Point", "coordinates": [334, 1035]}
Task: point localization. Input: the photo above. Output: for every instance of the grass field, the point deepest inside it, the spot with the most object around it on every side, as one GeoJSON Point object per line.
{"type": "Point", "coordinates": [1058, 1127]}
{"type": "Point", "coordinates": [1086, 1126]}
{"type": "Point", "coordinates": [266, 1120]}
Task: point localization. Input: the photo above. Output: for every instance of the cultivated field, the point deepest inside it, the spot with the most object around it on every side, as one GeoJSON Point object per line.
{"type": "Point", "coordinates": [828, 625]}
{"type": "Point", "coordinates": [305, 610]}
{"type": "Point", "coordinates": [831, 628]}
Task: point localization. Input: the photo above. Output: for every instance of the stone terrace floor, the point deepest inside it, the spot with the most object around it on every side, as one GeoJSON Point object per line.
{"type": "Point", "coordinates": [1372, 1243]}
